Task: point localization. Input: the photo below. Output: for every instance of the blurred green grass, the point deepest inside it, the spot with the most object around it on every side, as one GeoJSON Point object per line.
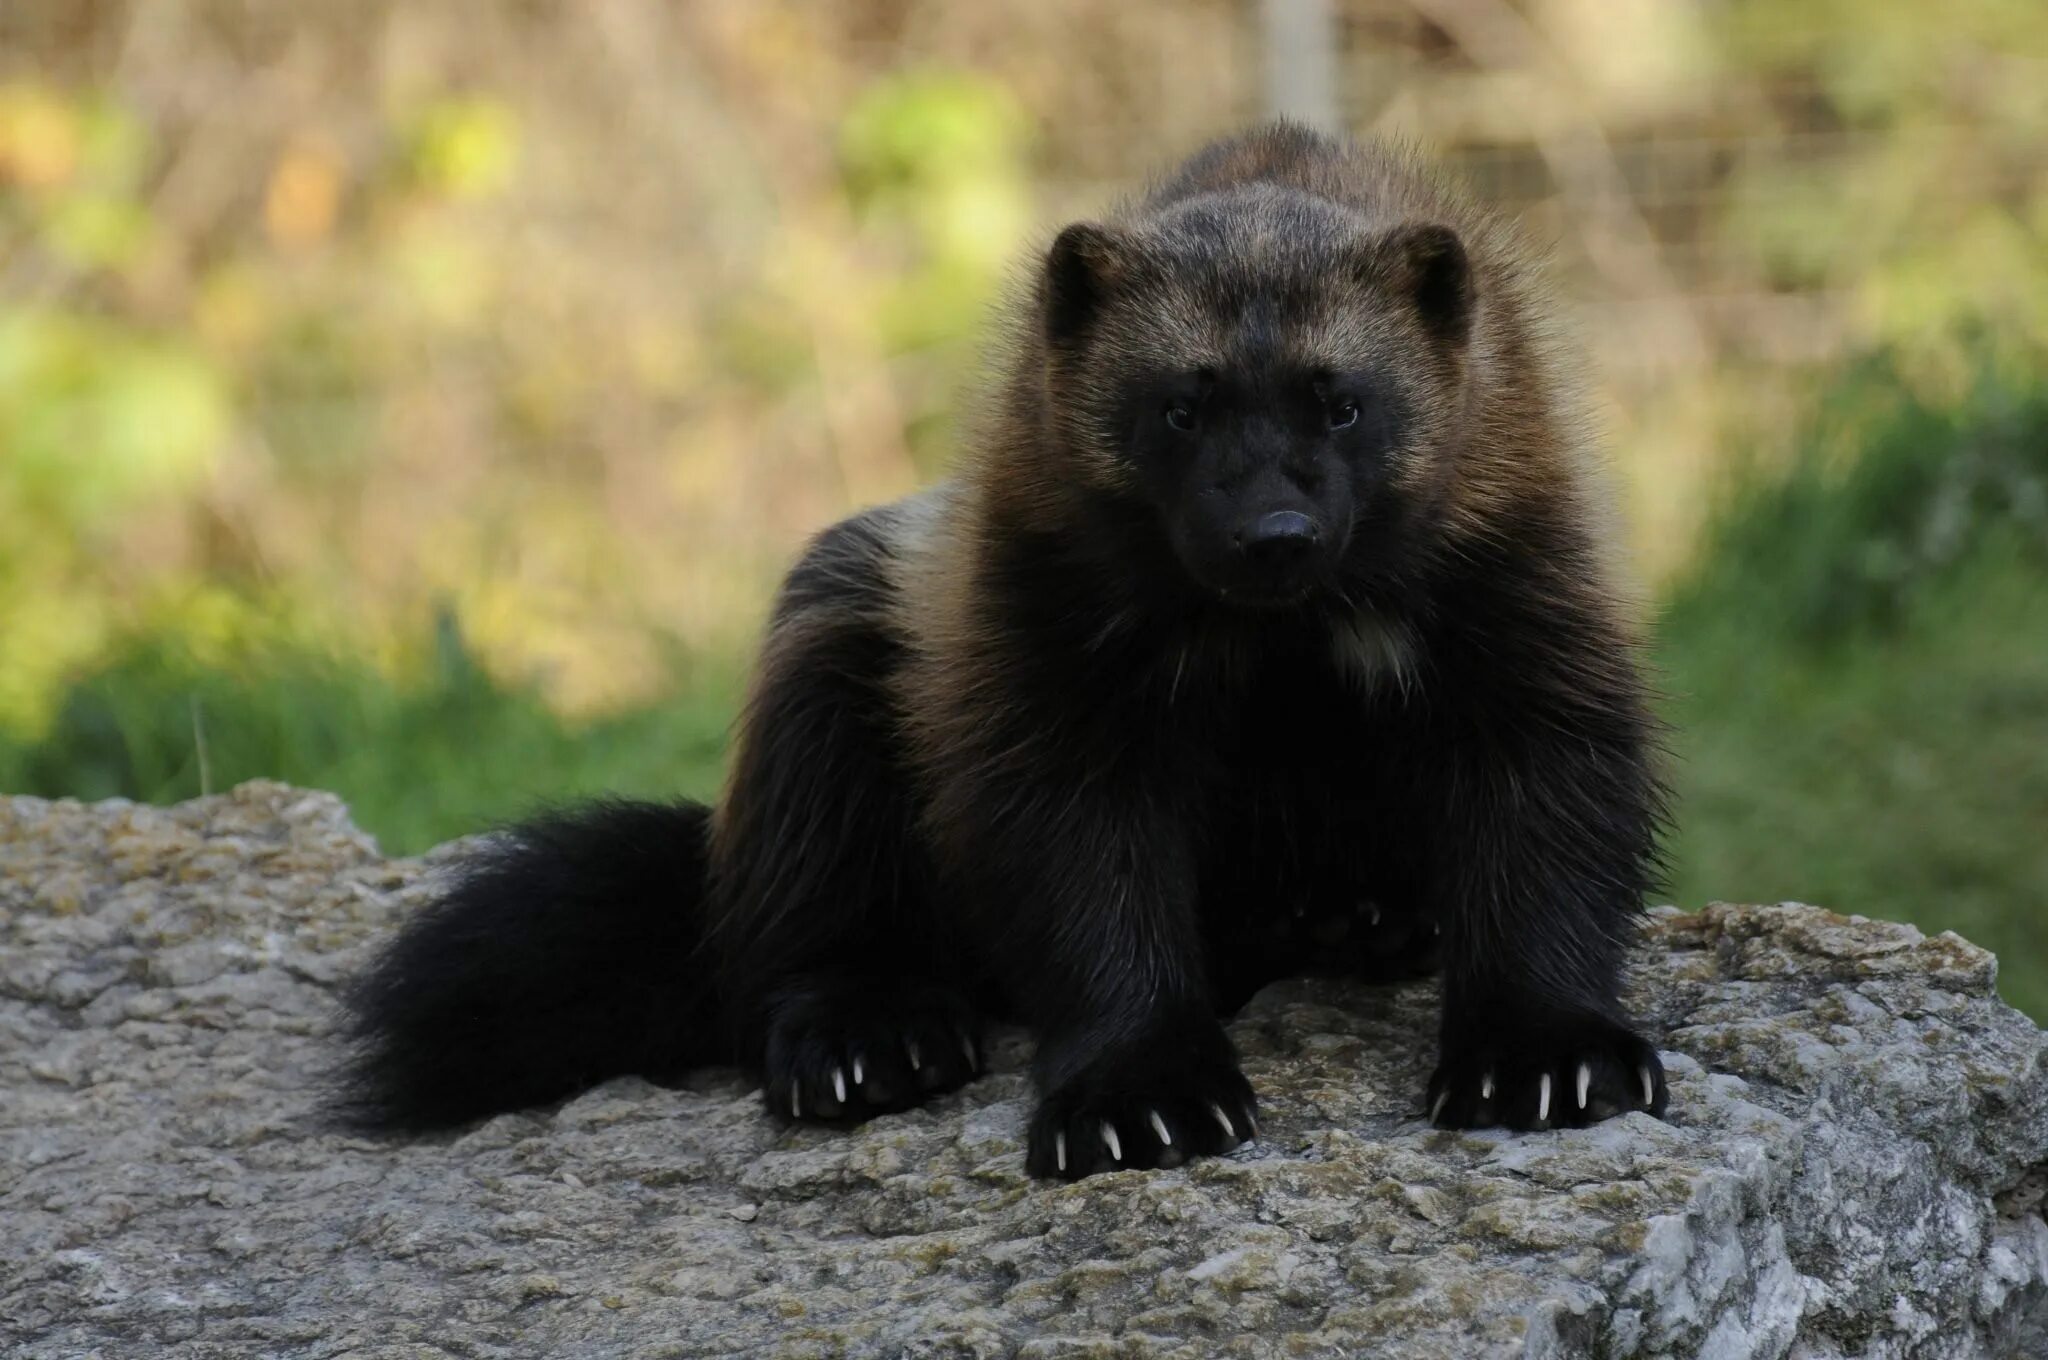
{"type": "Point", "coordinates": [440, 750]}
{"type": "Point", "coordinates": [1858, 673]}
{"type": "Point", "coordinates": [1857, 666]}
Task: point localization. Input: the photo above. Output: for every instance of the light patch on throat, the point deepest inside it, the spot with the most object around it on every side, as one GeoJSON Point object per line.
{"type": "Point", "coordinates": [1371, 651]}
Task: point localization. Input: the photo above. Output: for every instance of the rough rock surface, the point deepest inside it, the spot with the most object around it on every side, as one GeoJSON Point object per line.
{"type": "Point", "coordinates": [1852, 1165]}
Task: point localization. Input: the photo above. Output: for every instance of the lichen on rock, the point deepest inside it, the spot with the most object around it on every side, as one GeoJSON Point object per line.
{"type": "Point", "coordinates": [1853, 1164]}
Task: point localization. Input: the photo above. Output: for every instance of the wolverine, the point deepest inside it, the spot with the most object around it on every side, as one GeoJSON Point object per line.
{"type": "Point", "coordinates": [1270, 625]}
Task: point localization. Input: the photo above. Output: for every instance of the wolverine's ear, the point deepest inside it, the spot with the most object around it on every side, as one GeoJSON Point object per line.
{"type": "Point", "coordinates": [1086, 264]}
{"type": "Point", "coordinates": [1426, 262]}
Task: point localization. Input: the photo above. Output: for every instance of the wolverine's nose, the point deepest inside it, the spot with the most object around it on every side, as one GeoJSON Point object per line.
{"type": "Point", "coordinates": [1279, 539]}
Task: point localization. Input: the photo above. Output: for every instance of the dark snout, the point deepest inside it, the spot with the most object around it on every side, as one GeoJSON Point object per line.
{"type": "Point", "coordinates": [1279, 539]}
{"type": "Point", "coordinates": [1269, 536]}
{"type": "Point", "coordinates": [1278, 554]}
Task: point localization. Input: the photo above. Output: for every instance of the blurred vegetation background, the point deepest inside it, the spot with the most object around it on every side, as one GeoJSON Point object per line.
{"type": "Point", "coordinates": [420, 399]}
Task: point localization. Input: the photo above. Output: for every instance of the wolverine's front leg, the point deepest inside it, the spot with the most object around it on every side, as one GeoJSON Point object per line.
{"type": "Point", "coordinates": [1541, 864]}
{"type": "Point", "coordinates": [1090, 915]}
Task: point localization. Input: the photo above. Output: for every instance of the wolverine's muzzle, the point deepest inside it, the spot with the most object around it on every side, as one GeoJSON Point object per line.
{"type": "Point", "coordinates": [1276, 557]}
{"type": "Point", "coordinates": [1278, 541]}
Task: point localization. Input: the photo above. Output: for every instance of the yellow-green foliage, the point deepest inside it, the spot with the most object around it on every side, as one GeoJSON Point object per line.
{"type": "Point", "coordinates": [422, 342]}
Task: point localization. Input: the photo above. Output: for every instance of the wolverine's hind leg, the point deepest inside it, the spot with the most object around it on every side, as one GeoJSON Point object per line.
{"type": "Point", "coordinates": [848, 999]}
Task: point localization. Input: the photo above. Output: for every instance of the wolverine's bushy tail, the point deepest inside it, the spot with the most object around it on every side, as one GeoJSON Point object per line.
{"type": "Point", "coordinates": [564, 952]}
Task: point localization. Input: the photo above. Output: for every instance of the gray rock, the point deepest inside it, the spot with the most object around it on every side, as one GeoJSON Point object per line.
{"type": "Point", "coordinates": [1853, 1164]}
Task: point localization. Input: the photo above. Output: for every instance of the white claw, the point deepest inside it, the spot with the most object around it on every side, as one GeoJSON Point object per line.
{"type": "Point", "coordinates": [796, 1101]}
{"type": "Point", "coordinates": [1543, 1098]}
{"type": "Point", "coordinates": [1159, 1127]}
{"type": "Point", "coordinates": [1224, 1120]}
{"type": "Point", "coordinates": [1486, 1087]}
{"type": "Point", "coordinates": [967, 1048]}
{"type": "Point", "coordinates": [916, 1060]}
{"type": "Point", "coordinates": [1109, 1140]}
{"type": "Point", "coordinates": [1649, 1087]}
{"type": "Point", "coordinates": [839, 1085]}
{"type": "Point", "coordinates": [857, 1077]}
{"type": "Point", "coordinates": [1436, 1110]}
{"type": "Point", "coordinates": [1585, 1080]}
{"type": "Point", "coordinates": [1059, 1150]}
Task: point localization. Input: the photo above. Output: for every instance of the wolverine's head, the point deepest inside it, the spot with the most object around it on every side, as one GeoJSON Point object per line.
{"type": "Point", "coordinates": [1271, 377]}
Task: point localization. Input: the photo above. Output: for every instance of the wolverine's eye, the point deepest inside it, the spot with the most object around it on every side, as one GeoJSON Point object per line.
{"type": "Point", "coordinates": [1182, 418]}
{"type": "Point", "coordinates": [1343, 415]}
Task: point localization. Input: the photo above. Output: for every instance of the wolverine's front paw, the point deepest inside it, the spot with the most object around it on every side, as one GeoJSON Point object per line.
{"type": "Point", "coordinates": [1539, 1075]}
{"type": "Point", "coordinates": [1144, 1104]}
{"type": "Point", "coordinates": [844, 1052]}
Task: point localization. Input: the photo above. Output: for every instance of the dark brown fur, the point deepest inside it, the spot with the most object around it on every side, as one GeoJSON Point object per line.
{"type": "Point", "coordinates": [1073, 739]}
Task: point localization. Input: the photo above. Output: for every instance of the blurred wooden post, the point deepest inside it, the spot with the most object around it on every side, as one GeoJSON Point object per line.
{"type": "Point", "coordinates": [1301, 61]}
